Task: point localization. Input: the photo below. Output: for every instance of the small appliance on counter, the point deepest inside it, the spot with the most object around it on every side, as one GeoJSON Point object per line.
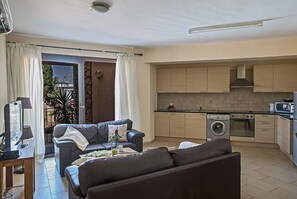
{"type": "Point", "coordinates": [271, 107]}
{"type": "Point", "coordinates": [171, 107]}
{"type": "Point", "coordinates": [284, 107]}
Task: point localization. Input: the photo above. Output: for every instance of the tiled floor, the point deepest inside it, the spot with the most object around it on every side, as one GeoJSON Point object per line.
{"type": "Point", "coordinates": [266, 174]}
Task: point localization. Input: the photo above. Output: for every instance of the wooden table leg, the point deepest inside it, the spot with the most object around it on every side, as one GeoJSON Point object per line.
{"type": "Point", "coordinates": [9, 177]}
{"type": "Point", "coordinates": [1, 180]}
{"type": "Point", "coordinates": [29, 175]}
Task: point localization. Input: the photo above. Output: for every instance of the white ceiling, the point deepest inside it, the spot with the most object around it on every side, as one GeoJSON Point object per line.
{"type": "Point", "coordinates": [150, 23]}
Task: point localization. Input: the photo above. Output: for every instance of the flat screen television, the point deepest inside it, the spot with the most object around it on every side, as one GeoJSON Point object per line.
{"type": "Point", "coordinates": [13, 125]}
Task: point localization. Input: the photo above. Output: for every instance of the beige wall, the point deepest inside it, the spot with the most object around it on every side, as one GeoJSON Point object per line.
{"type": "Point", "coordinates": [3, 81]}
{"type": "Point", "coordinates": [265, 48]}
{"type": "Point", "coordinates": [143, 70]}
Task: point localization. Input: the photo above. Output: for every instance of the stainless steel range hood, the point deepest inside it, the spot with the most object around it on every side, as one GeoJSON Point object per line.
{"type": "Point", "coordinates": [241, 81]}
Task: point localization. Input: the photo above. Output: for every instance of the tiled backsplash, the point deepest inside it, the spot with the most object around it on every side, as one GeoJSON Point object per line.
{"type": "Point", "coordinates": [237, 99]}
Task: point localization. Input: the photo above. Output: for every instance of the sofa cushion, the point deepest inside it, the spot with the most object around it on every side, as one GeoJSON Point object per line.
{"type": "Point", "coordinates": [100, 171]}
{"type": "Point", "coordinates": [207, 150]}
{"type": "Point", "coordinates": [103, 128]}
{"type": "Point", "coordinates": [88, 130]}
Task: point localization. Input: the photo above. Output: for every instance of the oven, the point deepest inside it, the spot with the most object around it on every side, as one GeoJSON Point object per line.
{"type": "Point", "coordinates": [242, 125]}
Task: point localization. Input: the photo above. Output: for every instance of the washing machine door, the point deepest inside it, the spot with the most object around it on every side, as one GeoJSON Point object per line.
{"type": "Point", "coordinates": [218, 128]}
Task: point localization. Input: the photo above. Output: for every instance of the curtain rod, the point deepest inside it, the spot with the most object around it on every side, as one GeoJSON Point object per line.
{"type": "Point", "coordinates": [84, 49]}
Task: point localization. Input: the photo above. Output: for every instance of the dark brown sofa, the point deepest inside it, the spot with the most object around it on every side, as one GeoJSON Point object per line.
{"type": "Point", "coordinates": [208, 171]}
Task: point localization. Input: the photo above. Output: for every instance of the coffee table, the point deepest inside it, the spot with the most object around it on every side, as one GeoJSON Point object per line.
{"type": "Point", "coordinates": [126, 151]}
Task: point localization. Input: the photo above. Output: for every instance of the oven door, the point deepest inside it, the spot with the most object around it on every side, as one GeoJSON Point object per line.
{"type": "Point", "coordinates": [242, 127]}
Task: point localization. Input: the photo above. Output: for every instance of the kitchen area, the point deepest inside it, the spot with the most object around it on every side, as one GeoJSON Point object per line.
{"type": "Point", "coordinates": [250, 103]}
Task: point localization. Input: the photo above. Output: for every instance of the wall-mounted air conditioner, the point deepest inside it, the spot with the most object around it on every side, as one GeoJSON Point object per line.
{"type": "Point", "coordinates": [5, 17]}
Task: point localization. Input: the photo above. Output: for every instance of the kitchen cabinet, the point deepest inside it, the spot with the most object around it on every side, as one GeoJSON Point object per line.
{"type": "Point", "coordinates": [264, 129]}
{"type": "Point", "coordinates": [263, 78]}
{"type": "Point", "coordinates": [275, 78]}
{"type": "Point", "coordinates": [195, 125]}
{"type": "Point", "coordinates": [161, 124]}
{"type": "Point", "coordinates": [177, 124]}
{"type": "Point", "coordinates": [180, 125]}
{"type": "Point", "coordinates": [163, 80]}
{"type": "Point", "coordinates": [171, 80]}
{"type": "Point", "coordinates": [196, 80]}
{"type": "Point", "coordinates": [169, 124]}
{"type": "Point", "coordinates": [283, 134]}
{"type": "Point", "coordinates": [178, 80]}
{"type": "Point", "coordinates": [218, 79]}
{"type": "Point", "coordinates": [285, 77]}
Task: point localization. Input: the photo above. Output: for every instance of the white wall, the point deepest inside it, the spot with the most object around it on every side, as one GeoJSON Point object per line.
{"type": "Point", "coordinates": [3, 80]}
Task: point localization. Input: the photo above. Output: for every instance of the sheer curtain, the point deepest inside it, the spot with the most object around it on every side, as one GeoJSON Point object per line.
{"type": "Point", "coordinates": [126, 95]}
{"type": "Point", "coordinates": [25, 79]}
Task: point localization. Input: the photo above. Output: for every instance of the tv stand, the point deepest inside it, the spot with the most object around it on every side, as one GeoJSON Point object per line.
{"type": "Point", "coordinates": [26, 158]}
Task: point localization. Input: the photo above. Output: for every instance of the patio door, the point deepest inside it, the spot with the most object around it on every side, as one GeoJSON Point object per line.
{"type": "Point", "coordinates": [60, 95]}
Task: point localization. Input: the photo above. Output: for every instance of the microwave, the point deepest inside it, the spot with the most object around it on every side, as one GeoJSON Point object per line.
{"type": "Point", "coordinates": [284, 107]}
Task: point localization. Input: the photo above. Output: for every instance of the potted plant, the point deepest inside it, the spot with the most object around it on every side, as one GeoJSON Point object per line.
{"type": "Point", "coordinates": [114, 142]}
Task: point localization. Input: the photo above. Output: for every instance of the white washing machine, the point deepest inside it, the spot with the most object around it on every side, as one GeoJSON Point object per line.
{"type": "Point", "coordinates": [218, 126]}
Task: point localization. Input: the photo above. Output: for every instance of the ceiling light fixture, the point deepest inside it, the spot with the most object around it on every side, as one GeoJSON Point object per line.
{"type": "Point", "coordinates": [99, 7]}
{"type": "Point", "coordinates": [229, 26]}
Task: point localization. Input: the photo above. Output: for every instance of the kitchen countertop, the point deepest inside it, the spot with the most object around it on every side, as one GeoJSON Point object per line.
{"type": "Point", "coordinates": [288, 116]}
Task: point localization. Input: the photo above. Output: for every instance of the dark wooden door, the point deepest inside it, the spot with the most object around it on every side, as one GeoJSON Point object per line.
{"type": "Point", "coordinates": [100, 92]}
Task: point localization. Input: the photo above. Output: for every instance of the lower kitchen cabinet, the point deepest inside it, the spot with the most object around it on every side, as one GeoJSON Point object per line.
{"type": "Point", "coordinates": [169, 124]}
{"type": "Point", "coordinates": [283, 134]}
{"type": "Point", "coordinates": [264, 129]}
{"type": "Point", "coordinates": [177, 124]}
{"type": "Point", "coordinates": [195, 125]}
{"type": "Point", "coordinates": [161, 124]}
{"type": "Point", "coordinates": [180, 125]}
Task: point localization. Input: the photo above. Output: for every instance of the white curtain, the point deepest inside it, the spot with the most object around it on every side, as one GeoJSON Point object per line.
{"type": "Point", "coordinates": [126, 95]}
{"type": "Point", "coordinates": [25, 79]}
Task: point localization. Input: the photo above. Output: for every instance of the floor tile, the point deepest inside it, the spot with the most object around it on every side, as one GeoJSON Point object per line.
{"type": "Point", "coordinates": [63, 195]}
{"type": "Point", "coordinates": [42, 194]}
{"type": "Point", "coordinates": [258, 193]}
{"type": "Point", "coordinates": [58, 185]}
{"type": "Point", "coordinates": [284, 194]}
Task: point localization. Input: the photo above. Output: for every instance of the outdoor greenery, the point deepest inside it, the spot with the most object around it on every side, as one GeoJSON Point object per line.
{"type": "Point", "coordinates": [58, 98]}
{"type": "Point", "coordinates": [63, 107]}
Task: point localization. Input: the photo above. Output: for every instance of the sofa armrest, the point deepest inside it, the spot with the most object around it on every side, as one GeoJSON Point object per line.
{"type": "Point", "coordinates": [133, 134]}
{"type": "Point", "coordinates": [64, 143]}
{"type": "Point", "coordinates": [136, 137]}
{"type": "Point", "coordinates": [71, 174]}
{"type": "Point", "coordinates": [63, 154]}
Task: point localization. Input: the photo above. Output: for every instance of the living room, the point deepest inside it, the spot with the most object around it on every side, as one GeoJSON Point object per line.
{"type": "Point", "coordinates": [267, 167]}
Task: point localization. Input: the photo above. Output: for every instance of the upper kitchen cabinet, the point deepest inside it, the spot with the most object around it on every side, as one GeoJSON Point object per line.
{"type": "Point", "coordinates": [275, 78]}
{"type": "Point", "coordinates": [263, 78]}
{"type": "Point", "coordinates": [171, 80]}
{"type": "Point", "coordinates": [218, 79]}
{"type": "Point", "coordinates": [164, 80]}
{"type": "Point", "coordinates": [178, 80]}
{"type": "Point", "coordinates": [285, 77]}
{"type": "Point", "coordinates": [197, 80]}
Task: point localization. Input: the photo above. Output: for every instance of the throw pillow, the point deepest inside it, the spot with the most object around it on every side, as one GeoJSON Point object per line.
{"type": "Point", "coordinates": [122, 131]}
{"type": "Point", "coordinates": [76, 136]}
{"type": "Point", "coordinates": [185, 145]}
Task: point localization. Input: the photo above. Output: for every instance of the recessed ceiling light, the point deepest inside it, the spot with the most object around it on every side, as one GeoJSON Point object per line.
{"type": "Point", "coordinates": [99, 7]}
